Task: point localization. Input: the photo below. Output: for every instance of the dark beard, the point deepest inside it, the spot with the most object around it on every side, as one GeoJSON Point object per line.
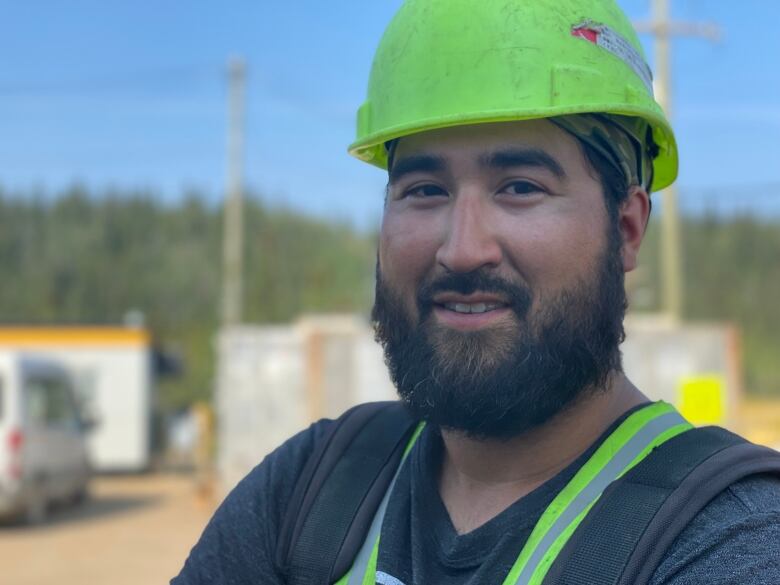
{"type": "Point", "coordinates": [503, 381]}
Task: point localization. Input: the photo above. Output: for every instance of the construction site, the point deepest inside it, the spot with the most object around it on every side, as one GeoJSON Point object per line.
{"type": "Point", "coordinates": [189, 285]}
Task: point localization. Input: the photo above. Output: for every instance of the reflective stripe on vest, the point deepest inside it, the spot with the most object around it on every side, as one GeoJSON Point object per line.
{"type": "Point", "coordinates": [628, 444]}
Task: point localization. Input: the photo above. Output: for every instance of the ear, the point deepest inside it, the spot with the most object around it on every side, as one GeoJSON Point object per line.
{"type": "Point", "coordinates": [633, 215]}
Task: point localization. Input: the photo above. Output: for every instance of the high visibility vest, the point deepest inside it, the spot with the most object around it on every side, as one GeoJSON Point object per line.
{"type": "Point", "coordinates": [626, 446]}
{"type": "Point", "coordinates": [654, 472]}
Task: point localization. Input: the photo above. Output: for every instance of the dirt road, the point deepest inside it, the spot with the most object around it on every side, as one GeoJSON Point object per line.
{"type": "Point", "coordinates": [132, 530]}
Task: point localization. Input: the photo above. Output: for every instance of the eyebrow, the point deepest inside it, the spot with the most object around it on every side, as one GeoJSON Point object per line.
{"type": "Point", "coordinates": [522, 157]}
{"type": "Point", "coordinates": [417, 163]}
{"type": "Point", "coordinates": [498, 159]}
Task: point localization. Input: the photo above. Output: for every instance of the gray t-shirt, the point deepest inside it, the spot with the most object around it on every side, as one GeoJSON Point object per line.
{"type": "Point", "coordinates": [734, 540]}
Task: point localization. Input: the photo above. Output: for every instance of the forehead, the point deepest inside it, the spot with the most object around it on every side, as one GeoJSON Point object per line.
{"type": "Point", "coordinates": [462, 144]}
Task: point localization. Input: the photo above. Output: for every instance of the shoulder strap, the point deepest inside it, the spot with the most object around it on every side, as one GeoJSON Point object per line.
{"type": "Point", "coordinates": [338, 492]}
{"type": "Point", "coordinates": [628, 531]}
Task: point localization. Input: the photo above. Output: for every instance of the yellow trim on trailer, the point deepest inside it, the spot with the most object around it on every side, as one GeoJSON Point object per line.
{"type": "Point", "coordinates": [29, 337]}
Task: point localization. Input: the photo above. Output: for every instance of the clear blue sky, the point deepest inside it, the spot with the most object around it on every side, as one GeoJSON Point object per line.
{"type": "Point", "coordinates": [132, 94]}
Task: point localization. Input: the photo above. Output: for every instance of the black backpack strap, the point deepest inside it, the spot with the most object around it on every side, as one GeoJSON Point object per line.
{"type": "Point", "coordinates": [338, 492]}
{"type": "Point", "coordinates": [625, 536]}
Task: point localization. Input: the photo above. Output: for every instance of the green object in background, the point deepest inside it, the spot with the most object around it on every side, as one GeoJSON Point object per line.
{"type": "Point", "coordinates": [456, 62]}
{"type": "Point", "coordinates": [702, 399]}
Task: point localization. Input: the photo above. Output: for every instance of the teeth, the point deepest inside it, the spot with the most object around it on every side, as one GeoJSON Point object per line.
{"type": "Point", "coordinates": [471, 308]}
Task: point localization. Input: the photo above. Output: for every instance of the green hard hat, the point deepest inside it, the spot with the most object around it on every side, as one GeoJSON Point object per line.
{"type": "Point", "coordinates": [447, 63]}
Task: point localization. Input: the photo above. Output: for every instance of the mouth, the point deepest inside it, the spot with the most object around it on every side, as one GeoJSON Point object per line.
{"type": "Point", "coordinates": [469, 308]}
{"type": "Point", "coordinates": [469, 312]}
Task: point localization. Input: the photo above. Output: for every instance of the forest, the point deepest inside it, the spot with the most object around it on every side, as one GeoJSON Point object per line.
{"type": "Point", "coordinates": [84, 257]}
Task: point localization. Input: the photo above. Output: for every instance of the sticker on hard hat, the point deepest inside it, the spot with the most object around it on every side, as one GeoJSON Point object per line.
{"type": "Point", "coordinates": [609, 39]}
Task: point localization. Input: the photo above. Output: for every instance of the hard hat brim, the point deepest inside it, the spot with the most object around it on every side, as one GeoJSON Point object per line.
{"type": "Point", "coordinates": [371, 149]}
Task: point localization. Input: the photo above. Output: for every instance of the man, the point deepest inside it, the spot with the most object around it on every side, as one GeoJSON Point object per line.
{"type": "Point", "coordinates": [522, 142]}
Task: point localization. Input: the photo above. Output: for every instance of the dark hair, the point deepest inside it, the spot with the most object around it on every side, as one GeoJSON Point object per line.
{"type": "Point", "coordinates": [613, 182]}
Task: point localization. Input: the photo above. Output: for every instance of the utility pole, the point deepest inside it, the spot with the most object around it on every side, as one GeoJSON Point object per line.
{"type": "Point", "coordinates": [233, 231]}
{"type": "Point", "coordinates": [663, 28]}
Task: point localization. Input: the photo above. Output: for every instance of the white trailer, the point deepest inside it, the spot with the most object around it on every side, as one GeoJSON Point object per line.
{"type": "Point", "coordinates": [112, 372]}
{"type": "Point", "coordinates": [272, 381]}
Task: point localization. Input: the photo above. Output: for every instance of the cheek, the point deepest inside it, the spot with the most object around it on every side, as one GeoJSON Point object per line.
{"type": "Point", "coordinates": [407, 249]}
{"type": "Point", "coordinates": [550, 250]}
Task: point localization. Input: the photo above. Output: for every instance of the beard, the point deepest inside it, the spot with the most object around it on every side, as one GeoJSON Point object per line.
{"type": "Point", "coordinates": [501, 381]}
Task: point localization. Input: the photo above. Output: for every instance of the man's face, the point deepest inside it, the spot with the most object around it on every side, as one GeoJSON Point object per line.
{"type": "Point", "coordinates": [499, 279]}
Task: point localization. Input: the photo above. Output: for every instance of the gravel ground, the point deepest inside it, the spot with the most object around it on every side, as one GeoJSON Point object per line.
{"type": "Point", "coordinates": [132, 530]}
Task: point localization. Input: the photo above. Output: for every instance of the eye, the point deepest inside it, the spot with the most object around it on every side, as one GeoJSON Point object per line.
{"type": "Point", "coordinates": [521, 189]}
{"type": "Point", "coordinates": [425, 190]}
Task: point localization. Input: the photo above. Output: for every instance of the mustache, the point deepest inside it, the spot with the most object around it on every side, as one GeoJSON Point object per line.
{"type": "Point", "coordinates": [517, 297]}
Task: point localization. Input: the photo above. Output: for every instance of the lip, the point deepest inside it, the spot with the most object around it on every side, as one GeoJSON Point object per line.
{"type": "Point", "coordinates": [469, 321]}
{"type": "Point", "coordinates": [475, 297]}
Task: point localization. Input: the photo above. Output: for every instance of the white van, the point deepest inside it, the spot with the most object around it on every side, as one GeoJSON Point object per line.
{"type": "Point", "coordinates": [112, 370]}
{"type": "Point", "coordinates": [43, 452]}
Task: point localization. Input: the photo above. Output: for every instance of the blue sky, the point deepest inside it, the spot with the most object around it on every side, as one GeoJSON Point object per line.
{"type": "Point", "coordinates": [133, 95]}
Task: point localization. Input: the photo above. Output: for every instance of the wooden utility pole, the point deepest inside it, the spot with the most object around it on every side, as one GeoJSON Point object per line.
{"type": "Point", "coordinates": [233, 231]}
{"type": "Point", "coordinates": [663, 28]}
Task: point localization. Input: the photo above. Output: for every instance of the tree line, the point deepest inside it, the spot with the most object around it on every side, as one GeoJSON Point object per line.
{"type": "Point", "coordinates": [87, 257]}
{"type": "Point", "coordinates": [90, 258]}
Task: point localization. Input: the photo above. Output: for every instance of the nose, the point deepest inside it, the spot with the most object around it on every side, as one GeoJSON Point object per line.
{"type": "Point", "coordinates": [470, 242]}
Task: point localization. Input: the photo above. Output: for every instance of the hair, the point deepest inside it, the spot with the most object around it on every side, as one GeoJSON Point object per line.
{"type": "Point", "coordinates": [613, 182]}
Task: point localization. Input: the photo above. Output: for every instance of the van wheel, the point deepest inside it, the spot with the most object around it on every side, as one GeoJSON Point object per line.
{"type": "Point", "coordinates": [37, 509]}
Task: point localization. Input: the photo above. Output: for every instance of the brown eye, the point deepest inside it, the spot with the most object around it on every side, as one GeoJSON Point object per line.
{"type": "Point", "coordinates": [427, 190]}
{"type": "Point", "coordinates": [521, 188]}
